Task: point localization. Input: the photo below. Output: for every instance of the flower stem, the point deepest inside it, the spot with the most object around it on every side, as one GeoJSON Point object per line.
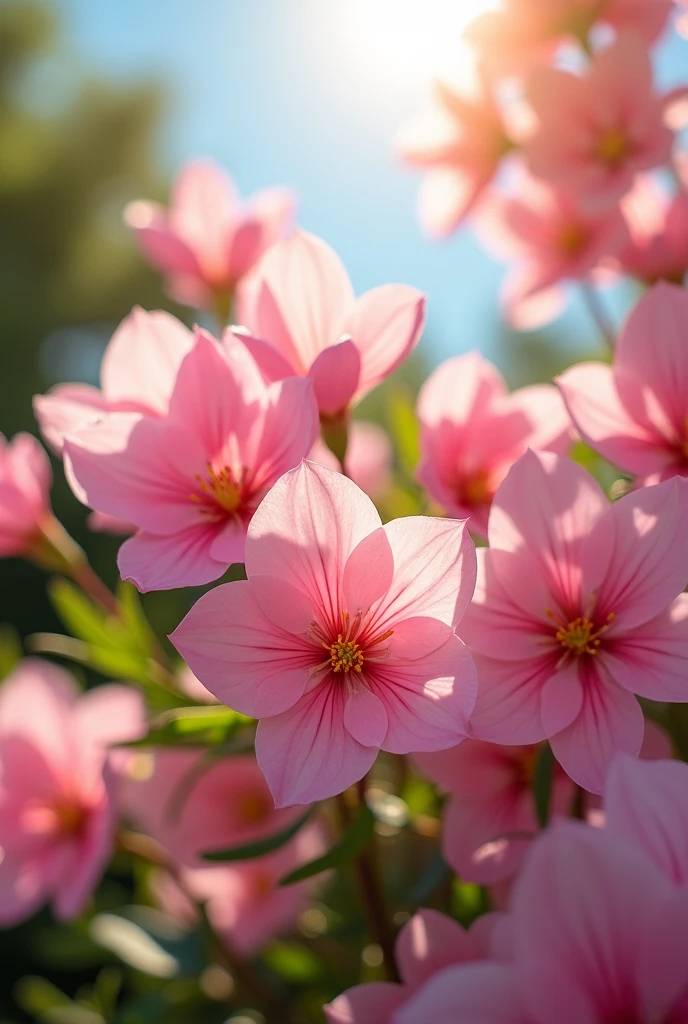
{"type": "Point", "coordinates": [598, 313]}
{"type": "Point", "coordinates": [371, 892]}
{"type": "Point", "coordinates": [55, 551]}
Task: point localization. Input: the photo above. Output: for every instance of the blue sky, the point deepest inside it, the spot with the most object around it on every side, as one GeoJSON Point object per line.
{"type": "Point", "coordinates": [309, 93]}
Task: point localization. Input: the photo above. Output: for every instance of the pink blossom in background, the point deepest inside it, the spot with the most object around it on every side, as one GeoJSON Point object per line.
{"type": "Point", "coordinates": [191, 807]}
{"type": "Point", "coordinates": [137, 374]}
{"type": "Point", "coordinates": [598, 935]}
{"type": "Point", "coordinates": [190, 481]}
{"type": "Point", "coordinates": [597, 130]}
{"type": "Point", "coordinates": [25, 481]}
{"type": "Point", "coordinates": [303, 319]}
{"type": "Point", "coordinates": [428, 943]}
{"type": "Point", "coordinates": [489, 819]}
{"type": "Point", "coordinates": [682, 23]}
{"type": "Point", "coordinates": [369, 457]}
{"type": "Point", "coordinates": [57, 815]}
{"type": "Point", "coordinates": [473, 430]}
{"type": "Point", "coordinates": [208, 240]}
{"type": "Point", "coordinates": [635, 413]}
{"type": "Point", "coordinates": [549, 240]}
{"type": "Point", "coordinates": [522, 32]}
{"type": "Point", "coordinates": [575, 611]}
{"type": "Point", "coordinates": [342, 639]}
{"type": "Point", "coordinates": [459, 143]}
{"type": "Point", "coordinates": [658, 247]}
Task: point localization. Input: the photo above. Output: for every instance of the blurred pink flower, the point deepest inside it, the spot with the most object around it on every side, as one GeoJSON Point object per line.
{"type": "Point", "coordinates": [575, 611]}
{"type": "Point", "coordinates": [428, 943]}
{"type": "Point", "coordinates": [57, 816]}
{"type": "Point", "coordinates": [369, 457]}
{"type": "Point", "coordinates": [460, 143]}
{"type": "Point", "coordinates": [302, 318]}
{"type": "Point", "coordinates": [597, 130]}
{"type": "Point", "coordinates": [598, 935]}
{"type": "Point", "coordinates": [191, 807]}
{"type": "Point", "coordinates": [191, 481]}
{"type": "Point", "coordinates": [550, 240]}
{"type": "Point", "coordinates": [207, 241]}
{"type": "Point", "coordinates": [682, 23]}
{"type": "Point", "coordinates": [522, 32]}
{"type": "Point", "coordinates": [489, 820]}
{"type": "Point", "coordinates": [636, 412]}
{"type": "Point", "coordinates": [658, 247]}
{"type": "Point", "coordinates": [25, 481]}
{"type": "Point", "coordinates": [342, 639]}
{"type": "Point", "coordinates": [473, 430]}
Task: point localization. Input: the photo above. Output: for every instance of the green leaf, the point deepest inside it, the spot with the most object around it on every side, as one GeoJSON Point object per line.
{"type": "Point", "coordinates": [84, 619]}
{"type": "Point", "coordinates": [249, 851]}
{"type": "Point", "coordinates": [352, 843]}
{"type": "Point", "coordinates": [293, 962]}
{"type": "Point", "coordinates": [134, 617]}
{"type": "Point", "coordinates": [10, 649]}
{"type": "Point", "coordinates": [38, 996]}
{"type": "Point", "coordinates": [542, 784]}
{"type": "Point", "coordinates": [404, 429]}
{"type": "Point", "coordinates": [193, 726]}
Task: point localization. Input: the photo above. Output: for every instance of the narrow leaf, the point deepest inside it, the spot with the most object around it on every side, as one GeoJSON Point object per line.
{"type": "Point", "coordinates": [250, 851]}
{"type": "Point", "coordinates": [192, 726]}
{"type": "Point", "coordinates": [352, 843]}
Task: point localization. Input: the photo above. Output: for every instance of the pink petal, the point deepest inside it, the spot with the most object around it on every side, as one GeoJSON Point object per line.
{"type": "Point", "coordinates": [162, 247]}
{"type": "Point", "coordinates": [373, 1003]}
{"type": "Point", "coordinates": [244, 249]}
{"type": "Point", "coordinates": [610, 721]}
{"type": "Point", "coordinates": [651, 660]}
{"type": "Point", "coordinates": [446, 196]}
{"type": "Point", "coordinates": [485, 841]}
{"type": "Point", "coordinates": [365, 716]}
{"type": "Point", "coordinates": [369, 572]}
{"type": "Point", "coordinates": [307, 753]}
{"type": "Point", "coordinates": [598, 413]}
{"type": "Point", "coordinates": [561, 699]}
{"type": "Point", "coordinates": [247, 661]}
{"type": "Point", "coordinates": [474, 993]}
{"type": "Point", "coordinates": [183, 559]}
{"type": "Point", "coordinates": [646, 804]}
{"type": "Point", "coordinates": [429, 942]}
{"type": "Point", "coordinates": [428, 701]}
{"type": "Point", "coordinates": [111, 714]}
{"type": "Point", "coordinates": [460, 389]}
{"type": "Point", "coordinates": [662, 963]}
{"type": "Point", "coordinates": [143, 358]}
{"type": "Point", "coordinates": [279, 431]}
{"type": "Point", "coordinates": [507, 709]}
{"type": "Point", "coordinates": [385, 325]}
{"type": "Point", "coordinates": [261, 313]}
{"type": "Point", "coordinates": [52, 692]}
{"type": "Point", "coordinates": [271, 363]}
{"type": "Point", "coordinates": [204, 209]}
{"type": "Point", "coordinates": [138, 469]}
{"type": "Point", "coordinates": [531, 299]}
{"type": "Point", "coordinates": [66, 408]}
{"type": "Point", "coordinates": [649, 564]}
{"type": "Point", "coordinates": [434, 570]}
{"type": "Point", "coordinates": [305, 529]}
{"type": "Point", "coordinates": [335, 374]}
{"type": "Point", "coordinates": [275, 208]}
{"type": "Point", "coordinates": [312, 292]}
{"type": "Point", "coordinates": [88, 863]}
{"type": "Point", "coordinates": [544, 408]}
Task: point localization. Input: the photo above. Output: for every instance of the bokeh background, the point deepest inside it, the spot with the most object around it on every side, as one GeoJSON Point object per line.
{"type": "Point", "coordinates": [102, 100]}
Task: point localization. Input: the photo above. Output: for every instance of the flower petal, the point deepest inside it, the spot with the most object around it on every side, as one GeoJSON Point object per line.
{"type": "Point", "coordinates": [373, 1003]}
{"type": "Point", "coordinates": [335, 374]}
{"type": "Point", "coordinates": [651, 660]}
{"type": "Point", "coordinates": [365, 716]}
{"type": "Point", "coordinates": [561, 699]}
{"type": "Point", "coordinates": [483, 993]}
{"type": "Point", "coordinates": [507, 709]}
{"type": "Point", "coordinates": [183, 559]}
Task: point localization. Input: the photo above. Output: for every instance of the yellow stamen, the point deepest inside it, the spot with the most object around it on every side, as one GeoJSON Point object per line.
{"type": "Point", "coordinates": [613, 147]}
{"type": "Point", "coordinates": [222, 488]}
{"type": "Point", "coordinates": [571, 239]}
{"type": "Point", "coordinates": [477, 490]}
{"type": "Point", "coordinates": [345, 655]}
{"type": "Point", "coordinates": [581, 636]}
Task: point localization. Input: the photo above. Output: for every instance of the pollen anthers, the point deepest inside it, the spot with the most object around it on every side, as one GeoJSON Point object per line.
{"type": "Point", "coordinates": [223, 490]}
{"type": "Point", "coordinates": [350, 647]}
{"type": "Point", "coordinates": [579, 636]}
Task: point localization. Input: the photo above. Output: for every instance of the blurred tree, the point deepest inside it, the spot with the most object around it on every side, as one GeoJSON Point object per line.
{"type": "Point", "coordinates": [73, 150]}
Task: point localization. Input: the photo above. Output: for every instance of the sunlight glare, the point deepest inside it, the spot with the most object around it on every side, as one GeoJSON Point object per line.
{"type": "Point", "coordinates": [412, 39]}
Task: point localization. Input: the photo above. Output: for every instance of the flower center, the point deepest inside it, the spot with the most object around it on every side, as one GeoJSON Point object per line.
{"type": "Point", "coordinates": [571, 239]}
{"type": "Point", "coordinates": [254, 807]}
{"type": "Point", "coordinates": [346, 655]}
{"type": "Point", "coordinates": [613, 147]}
{"type": "Point", "coordinates": [222, 491]}
{"type": "Point", "coordinates": [477, 490]}
{"type": "Point", "coordinates": [579, 636]}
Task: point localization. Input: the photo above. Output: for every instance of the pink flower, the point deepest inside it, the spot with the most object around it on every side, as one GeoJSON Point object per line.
{"type": "Point", "coordinates": [575, 611]}
{"type": "Point", "coordinates": [25, 481]}
{"type": "Point", "coordinates": [303, 319]}
{"type": "Point", "coordinates": [191, 481]}
{"type": "Point", "coordinates": [208, 241]}
{"type": "Point", "coordinates": [191, 807]}
{"type": "Point", "coordinates": [246, 905]}
{"type": "Point", "coordinates": [473, 430]}
{"type": "Point", "coordinates": [56, 796]}
{"type": "Point", "coordinates": [428, 943]}
{"type": "Point", "coordinates": [489, 820]}
{"type": "Point", "coordinates": [368, 459]}
{"type": "Point", "coordinates": [636, 412]}
{"type": "Point", "coordinates": [460, 143]}
{"type": "Point", "coordinates": [550, 240]}
{"type": "Point", "coordinates": [658, 248]}
{"type": "Point", "coordinates": [342, 639]}
{"type": "Point", "coordinates": [599, 935]}
{"type": "Point", "coordinates": [682, 23]}
{"type": "Point", "coordinates": [597, 130]}
{"type": "Point", "coordinates": [522, 32]}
